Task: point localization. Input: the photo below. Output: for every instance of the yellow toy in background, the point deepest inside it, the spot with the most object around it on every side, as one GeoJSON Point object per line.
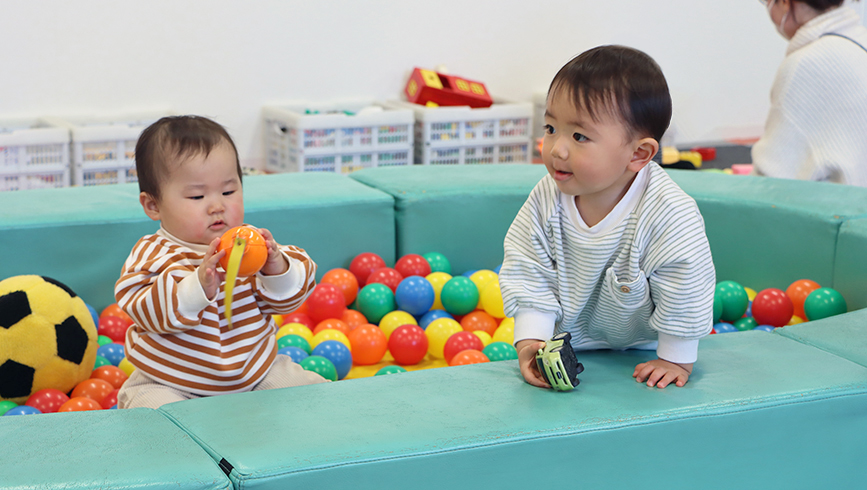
{"type": "Point", "coordinates": [671, 156]}
{"type": "Point", "coordinates": [47, 337]}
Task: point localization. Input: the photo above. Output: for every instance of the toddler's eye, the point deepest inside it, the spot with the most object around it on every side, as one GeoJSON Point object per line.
{"type": "Point", "coordinates": [196, 198]}
{"type": "Point", "coordinates": [579, 137]}
{"type": "Point", "coordinates": [228, 193]}
{"type": "Point", "coordinates": [548, 129]}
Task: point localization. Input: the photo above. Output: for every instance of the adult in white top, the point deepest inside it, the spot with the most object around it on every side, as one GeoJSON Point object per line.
{"type": "Point", "coordinates": [817, 125]}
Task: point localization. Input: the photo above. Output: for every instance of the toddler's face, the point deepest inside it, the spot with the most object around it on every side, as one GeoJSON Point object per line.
{"type": "Point", "coordinates": [585, 157]}
{"type": "Point", "coordinates": [203, 196]}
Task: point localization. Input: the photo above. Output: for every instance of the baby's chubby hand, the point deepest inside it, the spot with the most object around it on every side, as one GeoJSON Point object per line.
{"type": "Point", "coordinates": [276, 263]}
{"type": "Point", "coordinates": [660, 373]}
{"type": "Point", "coordinates": [527, 350]}
{"type": "Point", "coordinates": [210, 277]}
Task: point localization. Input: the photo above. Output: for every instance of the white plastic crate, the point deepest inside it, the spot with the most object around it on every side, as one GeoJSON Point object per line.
{"type": "Point", "coordinates": [461, 135]}
{"type": "Point", "coordinates": [33, 155]}
{"type": "Point", "coordinates": [103, 148]}
{"type": "Point", "coordinates": [338, 137]}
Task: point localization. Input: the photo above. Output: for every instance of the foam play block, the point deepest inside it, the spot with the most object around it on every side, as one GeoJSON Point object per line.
{"type": "Point", "coordinates": [842, 335]}
{"type": "Point", "coordinates": [850, 266]}
{"type": "Point", "coordinates": [760, 411]}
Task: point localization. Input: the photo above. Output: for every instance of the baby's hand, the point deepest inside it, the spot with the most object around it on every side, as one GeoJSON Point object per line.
{"type": "Point", "coordinates": [660, 373]}
{"type": "Point", "coordinates": [527, 350]}
{"type": "Point", "coordinates": [276, 263]}
{"type": "Point", "coordinates": [209, 276]}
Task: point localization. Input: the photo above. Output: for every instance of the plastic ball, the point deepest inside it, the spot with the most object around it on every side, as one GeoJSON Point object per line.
{"type": "Point", "coordinates": [795, 320]}
{"type": "Point", "coordinates": [734, 300]}
{"type": "Point", "coordinates": [385, 275]}
{"type": "Point", "coordinates": [295, 329]}
{"type": "Point", "coordinates": [497, 268]}
{"type": "Point", "coordinates": [438, 262]}
{"type": "Point", "coordinates": [110, 400]}
{"type": "Point", "coordinates": [330, 334]}
{"type": "Point", "coordinates": [296, 353]}
{"type": "Point", "coordinates": [469, 356]}
{"type": "Point", "coordinates": [93, 313]}
{"type": "Point", "coordinates": [437, 280]}
{"type": "Point", "coordinates": [113, 328]}
{"type": "Point", "coordinates": [22, 410]}
{"type": "Point", "coordinates": [302, 318]}
{"type": "Point", "coordinates": [293, 340]}
{"type": "Point", "coordinates": [460, 296]}
{"type": "Point", "coordinates": [745, 323]}
{"type": "Point", "coordinates": [255, 251]}
{"type": "Point", "coordinates": [717, 307]}
{"type": "Point", "coordinates": [824, 302]}
{"type": "Point", "coordinates": [332, 323]}
{"type": "Point", "coordinates": [325, 302]}
{"type": "Point", "coordinates": [764, 328]}
{"type": "Point", "coordinates": [432, 315]}
{"type": "Point", "coordinates": [500, 351]}
{"type": "Point", "coordinates": [390, 370]}
{"type": "Point", "coordinates": [438, 332]}
{"type": "Point", "coordinates": [368, 344]}
{"type": "Point", "coordinates": [375, 301]}
{"type": "Point", "coordinates": [798, 292]}
{"type": "Point", "coordinates": [412, 265]}
{"type": "Point", "coordinates": [482, 277]}
{"type": "Point", "coordinates": [772, 307]}
{"type": "Point", "coordinates": [408, 344]}
{"type": "Point", "coordinates": [47, 400]}
{"type": "Point", "coordinates": [320, 366]}
{"type": "Point", "coordinates": [278, 319]}
{"type": "Point", "coordinates": [114, 375]}
{"type": "Point", "coordinates": [101, 361]}
{"type": "Point", "coordinates": [461, 341]}
{"type": "Point", "coordinates": [491, 299]}
{"type": "Point", "coordinates": [469, 273]}
{"type": "Point", "coordinates": [92, 388]}
{"type": "Point", "coordinates": [345, 281]}
{"type": "Point", "coordinates": [414, 295]}
{"type": "Point", "coordinates": [751, 293]}
{"type": "Point", "coordinates": [116, 311]}
{"type": "Point", "coordinates": [353, 319]}
{"type": "Point", "coordinates": [6, 405]}
{"type": "Point", "coordinates": [112, 352]}
{"type": "Point", "coordinates": [394, 319]}
{"type": "Point", "coordinates": [506, 331]}
{"type": "Point", "coordinates": [80, 404]}
{"type": "Point", "coordinates": [483, 336]}
{"type": "Point", "coordinates": [363, 264]}
{"type": "Point", "coordinates": [102, 340]}
{"type": "Point", "coordinates": [126, 366]}
{"type": "Point", "coordinates": [338, 354]}
{"type": "Point", "coordinates": [723, 327]}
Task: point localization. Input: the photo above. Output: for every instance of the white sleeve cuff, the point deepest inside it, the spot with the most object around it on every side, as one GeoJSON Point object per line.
{"type": "Point", "coordinates": [286, 285]}
{"type": "Point", "coordinates": [191, 296]}
{"type": "Point", "coordinates": [676, 349]}
{"type": "Point", "coordinates": [534, 324]}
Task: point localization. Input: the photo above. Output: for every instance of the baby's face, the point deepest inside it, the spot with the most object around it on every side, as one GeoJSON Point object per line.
{"type": "Point", "coordinates": [202, 197]}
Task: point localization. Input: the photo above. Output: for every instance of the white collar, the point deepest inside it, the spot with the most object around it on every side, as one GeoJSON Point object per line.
{"type": "Point", "coordinates": [195, 247]}
{"type": "Point", "coordinates": [621, 210]}
{"type": "Point", "coordinates": [837, 20]}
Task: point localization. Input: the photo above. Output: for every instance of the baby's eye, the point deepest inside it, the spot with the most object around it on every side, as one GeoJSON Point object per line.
{"type": "Point", "coordinates": [196, 198]}
{"type": "Point", "coordinates": [579, 137]}
{"type": "Point", "coordinates": [548, 129]}
{"type": "Point", "coordinates": [228, 193]}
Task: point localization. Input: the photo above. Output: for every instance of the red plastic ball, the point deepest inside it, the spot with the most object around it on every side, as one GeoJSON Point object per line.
{"type": "Point", "coordinates": [110, 400]}
{"type": "Point", "coordinates": [115, 310]}
{"type": "Point", "coordinates": [332, 323]}
{"type": "Point", "coordinates": [461, 341]}
{"type": "Point", "coordinates": [113, 328]}
{"type": "Point", "coordinates": [363, 264]}
{"type": "Point", "coordinates": [47, 400]}
{"type": "Point", "coordinates": [95, 389]}
{"type": "Point", "coordinates": [302, 318]}
{"type": "Point", "coordinates": [772, 307]}
{"type": "Point", "coordinates": [412, 265]}
{"type": "Point", "coordinates": [80, 404]}
{"type": "Point", "coordinates": [114, 375]}
{"type": "Point", "coordinates": [386, 275]}
{"type": "Point", "coordinates": [479, 320]}
{"type": "Point", "coordinates": [368, 344]}
{"type": "Point", "coordinates": [408, 344]}
{"type": "Point", "coordinates": [345, 281]}
{"type": "Point", "coordinates": [326, 302]}
{"type": "Point", "coordinates": [469, 356]}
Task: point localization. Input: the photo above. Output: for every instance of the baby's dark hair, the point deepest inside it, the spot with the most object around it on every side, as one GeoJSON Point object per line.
{"type": "Point", "coordinates": [622, 82]}
{"type": "Point", "coordinates": [175, 138]}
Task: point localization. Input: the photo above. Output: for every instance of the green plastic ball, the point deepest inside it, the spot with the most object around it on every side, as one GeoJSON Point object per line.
{"type": "Point", "coordinates": [390, 370]}
{"type": "Point", "coordinates": [734, 300]}
{"type": "Point", "coordinates": [6, 405]}
{"type": "Point", "coordinates": [824, 302]}
{"type": "Point", "coordinates": [459, 295]}
{"type": "Point", "coordinates": [746, 323]}
{"type": "Point", "coordinates": [375, 301]}
{"type": "Point", "coordinates": [102, 340]}
{"type": "Point", "coordinates": [500, 351]}
{"type": "Point", "coordinates": [293, 340]}
{"type": "Point", "coordinates": [101, 361]}
{"type": "Point", "coordinates": [438, 262]}
{"type": "Point", "coordinates": [717, 308]}
{"type": "Point", "coordinates": [320, 366]}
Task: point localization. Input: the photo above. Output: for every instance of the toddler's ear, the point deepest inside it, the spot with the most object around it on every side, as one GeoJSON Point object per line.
{"type": "Point", "coordinates": [150, 206]}
{"type": "Point", "coordinates": [644, 152]}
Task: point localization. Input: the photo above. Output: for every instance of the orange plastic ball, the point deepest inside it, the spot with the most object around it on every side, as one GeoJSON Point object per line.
{"type": "Point", "coordinates": [80, 404]}
{"type": "Point", "coordinates": [332, 323]}
{"type": "Point", "coordinates": [468, 356]}
{"type": "Point", "coordinates": [345, 282]}
{"type": "Point", "coordinates": [93, 388]}
{"type": "Point", "coordinates": [255, 253]}
{"type": "Point", "coordinates": [353, 318]}
{"type": "Point", "coordinates": [479, 320]}
{"type": "Point", "coordinates": [798, 292]}
{"type": "Point", "coordinates": [114, 375]}
{"type": "Point", "coordinates": [115, 310]}
{"type": "Point", "coordinates": [368, 344]}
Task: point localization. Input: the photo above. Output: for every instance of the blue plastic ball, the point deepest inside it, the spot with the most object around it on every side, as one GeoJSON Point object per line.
{"type": "Point", "coordinates": [22, 410]}
{"type": "Point", "coordinates": [414, 295]}
{"type": "Point", "coordinates": [469, 273]}
{"type": "Point", "coordinates": [296, 353]}
{"type": "Point", "coordinates": [766, 328]}
{"type": "Point", "coordinates": [113, 353]}
{"type": "Point", "coordinates": [723, 327]}
{"type": "Point", "coordinates": [94, 314]}
{"type": "Point", "coordinates": [338, 354]}
{"type": "Point", "coordinates": [432, 315]}
{"type": "Point", "coordinates": [497, 268]}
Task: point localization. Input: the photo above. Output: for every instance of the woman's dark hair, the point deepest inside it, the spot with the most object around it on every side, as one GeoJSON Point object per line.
{"type": "Point", "coordinates": [822, 5]}
{"type": "Point", "coordinates": [621, 81]}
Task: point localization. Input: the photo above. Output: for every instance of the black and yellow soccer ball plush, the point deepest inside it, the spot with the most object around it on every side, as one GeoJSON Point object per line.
{"type": "Point", "coordinates": [47, 337]}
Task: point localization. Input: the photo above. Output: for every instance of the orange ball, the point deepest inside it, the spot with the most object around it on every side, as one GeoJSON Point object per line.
{"type": "Point", "coordinates": [80, 404]}
{"type": "Point", "coordinates": [332, 323]}
{"type": "Point", "coordinates": [112, 374]}
{"type": "Point", "coordinates": [115, 310]}
{"type": "Point", "coordinates": [93, 388]}
{"type": "Point", "coordinates": [798, 292]}
{"type": "Point", "coordinates": [468, 356]}
{"type": "Point", "coordinates": [368, 344]}
{"type": "Point", "coordinates": [353, 318]}
{"type": "Point", "coordinates": [479, 320]}
{"type": "Point", "coordinates": [345, 282]}
{"type": "Point", "coordinates": [255, 253]}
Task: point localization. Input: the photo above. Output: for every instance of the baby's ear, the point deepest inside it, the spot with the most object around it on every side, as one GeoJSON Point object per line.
{"type": "Point", "coordinates": [150, 206]}
{"type": "Point", "coordinates": [645, 150]}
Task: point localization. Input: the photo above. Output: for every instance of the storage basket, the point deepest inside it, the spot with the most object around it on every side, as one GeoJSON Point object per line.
{"type": "Point", "coordinates": [33, 155]}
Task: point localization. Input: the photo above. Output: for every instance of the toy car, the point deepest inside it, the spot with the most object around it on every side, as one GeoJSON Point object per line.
{"type": "Point", "coordinates": [558, 364]}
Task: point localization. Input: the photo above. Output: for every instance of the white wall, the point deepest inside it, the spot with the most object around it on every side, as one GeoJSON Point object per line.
{"type": "Point", "coordinates": [226, 59]}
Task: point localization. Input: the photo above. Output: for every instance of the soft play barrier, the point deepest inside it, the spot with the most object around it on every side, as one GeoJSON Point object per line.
{"type": "Point", "coordinates": [762, 410]}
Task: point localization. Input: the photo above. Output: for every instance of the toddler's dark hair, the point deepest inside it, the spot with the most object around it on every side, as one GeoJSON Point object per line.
{"type": "Point", "coordinates": [175, 137]}
{"type": "Point", "coordinates": [621, 81]}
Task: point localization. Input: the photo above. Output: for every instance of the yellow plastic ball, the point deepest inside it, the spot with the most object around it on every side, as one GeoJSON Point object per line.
{"type": "Point", "coordinates": [330, 334]}
{"type": "Point", "coordinates": [483, 336]}
{"type": "Point", "coordinates": [396, 318]}
{"type": "Point", "coordinates": [491, 299]}
{"type": "Point", "coordinates": [482, 277]}
{"type": "Point", "coordinates": [295, 329]}
{"type": "Point", "coordinates": [438, 332]}
{"type": "Point", "coordinates": [278, 319]}
{"type": "Point", "coordinates": [751, 293]}
{"type": "Point", "coordinates": [438, 280]}
{"type": "Point", "coordinates": [126, 366]}
{"type": "Point", "coordinates": [506, 331]}
{"type": "Point", "coordinates": [795, 320]}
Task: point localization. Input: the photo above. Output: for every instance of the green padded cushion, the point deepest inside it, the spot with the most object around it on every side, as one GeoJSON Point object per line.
{"type": "Point", "coordinates": [126, 449]}
{"type": "Point", "coordinates": [82, 235]}
{"type": "Point", "coordinates": [850, 268]}
{"type": "Point", "coordinates": [842, 335]}
{"type": "Point", "coordinates": [760, 411]}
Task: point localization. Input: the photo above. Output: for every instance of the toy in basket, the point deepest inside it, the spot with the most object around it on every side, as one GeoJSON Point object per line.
{"type": "Point", "coordinates": [430, 88]}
